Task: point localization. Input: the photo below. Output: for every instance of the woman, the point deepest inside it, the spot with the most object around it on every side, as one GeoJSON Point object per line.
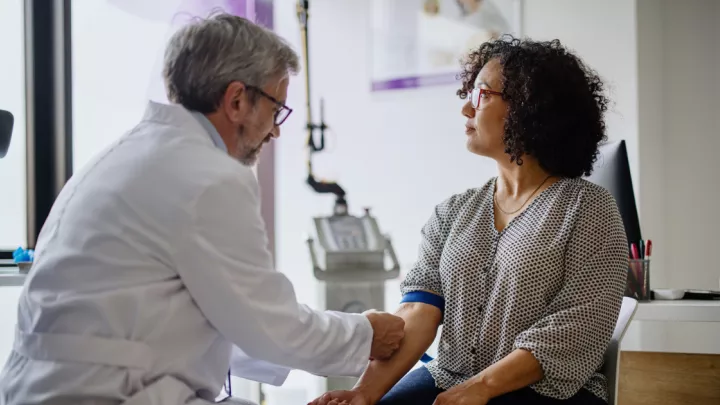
{"type": "Point", "coordinates": [527, 272]}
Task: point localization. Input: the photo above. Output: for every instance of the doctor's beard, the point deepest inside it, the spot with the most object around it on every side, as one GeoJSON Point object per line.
{"type": "Point", "coordinates": [248, 154]}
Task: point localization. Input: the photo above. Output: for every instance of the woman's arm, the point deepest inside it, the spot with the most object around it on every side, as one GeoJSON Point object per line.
{"type": "Point", "coordinates": [422, 309]}
{"type": "Point", "coordinates": [515, 371]}
{"type": "Point", "coordinates": [421, 324]}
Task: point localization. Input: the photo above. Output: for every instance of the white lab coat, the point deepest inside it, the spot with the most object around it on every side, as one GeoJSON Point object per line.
{"type": "Point", "coordinates": [151, 266]}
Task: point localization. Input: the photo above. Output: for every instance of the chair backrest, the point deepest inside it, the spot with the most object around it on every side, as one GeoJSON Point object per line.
{"type": "Point", "coordinates": [611, 364]}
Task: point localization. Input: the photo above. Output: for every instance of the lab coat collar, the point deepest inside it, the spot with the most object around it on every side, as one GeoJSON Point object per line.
{"type": "Point", "coordinates": [210, 129]}
{"type": "Point", "coordinates": [171, 114]}
{"type": "Point", "coordinates": [178, 116]}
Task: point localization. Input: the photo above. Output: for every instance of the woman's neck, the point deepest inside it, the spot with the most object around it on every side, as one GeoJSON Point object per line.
{"type": "Point", "coordinates": [515, 181]}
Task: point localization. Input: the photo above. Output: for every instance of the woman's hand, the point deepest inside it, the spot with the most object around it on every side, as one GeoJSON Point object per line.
{"type": "Point", "coordinates": [467, 393]}
{"type": "Point", "coordinates": [342, 398]}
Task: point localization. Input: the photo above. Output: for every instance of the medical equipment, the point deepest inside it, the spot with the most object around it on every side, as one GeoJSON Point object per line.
{"type": "Point", "coordinates": [320, 186]}
{"type": "Point", "coordinates": [354, 251]}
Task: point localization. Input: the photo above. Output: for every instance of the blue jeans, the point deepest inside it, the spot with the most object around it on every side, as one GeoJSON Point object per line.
{"type": "Point", "coordinates": [418, 388]}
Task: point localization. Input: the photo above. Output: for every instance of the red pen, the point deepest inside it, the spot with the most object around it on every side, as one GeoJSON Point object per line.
{"type": "Point", "coordinates": [634, 251]}
{"type": "Point", "coordinates": [648, 249]}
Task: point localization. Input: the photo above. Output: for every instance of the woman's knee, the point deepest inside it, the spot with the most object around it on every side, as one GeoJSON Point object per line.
{"type": "Point", "coordinates": [416, 388]}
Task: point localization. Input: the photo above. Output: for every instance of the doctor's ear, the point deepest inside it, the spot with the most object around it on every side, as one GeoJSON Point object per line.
{"type": "Point", "coordinates": [235, 101]}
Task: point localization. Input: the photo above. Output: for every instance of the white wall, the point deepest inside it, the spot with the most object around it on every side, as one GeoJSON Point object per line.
{"type": "Point", "coordinates": [691, 137]}
{"type": "Point", "coordinates": [603, 35]}
{"type": "Point", "coordinates": [402, 152]}
{"type": "Point", "coordinates": [101, 31]}
{"type": "Point", "coordinates": [650, 126]}
{"type": "Point", "coordinates": [678, 65]}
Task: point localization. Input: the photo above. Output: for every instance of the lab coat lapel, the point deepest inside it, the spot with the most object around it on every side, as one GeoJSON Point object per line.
{"type": "Point", "coordinates": [176, 116]}
{"type": "Point", "coordinates": [244, 366]}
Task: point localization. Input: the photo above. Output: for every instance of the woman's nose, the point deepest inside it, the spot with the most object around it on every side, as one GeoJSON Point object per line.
{"type": "Point", "coordinates": [468, 110]}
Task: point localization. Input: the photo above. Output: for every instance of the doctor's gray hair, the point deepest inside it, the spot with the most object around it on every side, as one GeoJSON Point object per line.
{"type": "Point", "coordinates": [203, 58]}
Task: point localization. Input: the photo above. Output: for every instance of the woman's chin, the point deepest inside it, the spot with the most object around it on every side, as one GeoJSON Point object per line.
{"type": "Point", "coordinates": [474, 145]}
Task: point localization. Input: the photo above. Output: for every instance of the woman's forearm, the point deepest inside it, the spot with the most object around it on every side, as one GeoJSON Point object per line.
{"type": "Point", "coordinates": [421, 324]}
{"type": "Point", "coordinates": [515, 371]}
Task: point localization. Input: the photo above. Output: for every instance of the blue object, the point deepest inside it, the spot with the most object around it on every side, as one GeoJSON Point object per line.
{"type": "Point", "coordinates": [425, 358]}
{"type": "Point", "coordinates": [425, 298]}
{"type": "Point", "coordinates": [23, 255]}
{"type": "Point", "coordinates": [416, 388]}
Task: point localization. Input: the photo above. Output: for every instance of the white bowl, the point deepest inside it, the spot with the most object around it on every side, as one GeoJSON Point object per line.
{"type": "Point", "coordinates": [24, 267]}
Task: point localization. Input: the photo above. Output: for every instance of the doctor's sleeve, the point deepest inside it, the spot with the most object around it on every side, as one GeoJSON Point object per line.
{"type": "Point", "coordinates": [423, 283]}
{"type": "Point", "coordinates": [226, 266]}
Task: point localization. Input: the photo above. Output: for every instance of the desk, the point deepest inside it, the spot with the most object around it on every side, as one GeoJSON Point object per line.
{"type": "Point", "coordinates": [10, 288]}
{"type": "Point", "coordinates": [671, 354]}
{"type": "Point", "coordinates": [679, 311]}
{"type": "Point", "coordinates": [9, 277]}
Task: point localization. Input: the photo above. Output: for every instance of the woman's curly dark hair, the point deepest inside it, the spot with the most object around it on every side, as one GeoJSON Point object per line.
{"type": "Point", "coordinates": [556, 104]}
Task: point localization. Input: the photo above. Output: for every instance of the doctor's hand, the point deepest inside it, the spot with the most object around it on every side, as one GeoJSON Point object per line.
{"type": "Point", "coordinates": [388, 332]}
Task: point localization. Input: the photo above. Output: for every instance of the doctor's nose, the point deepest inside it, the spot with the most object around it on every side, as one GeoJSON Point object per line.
{"type": "Point", "coordinates": [275, 133]}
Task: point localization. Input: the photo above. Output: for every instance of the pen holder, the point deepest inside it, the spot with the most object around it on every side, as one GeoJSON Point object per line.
{"type": "Point", "coordinates": [638, 279]}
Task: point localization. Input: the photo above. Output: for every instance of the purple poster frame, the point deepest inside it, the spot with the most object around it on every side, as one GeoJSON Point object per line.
{"type": "Point", "coordinates": [415, 82]}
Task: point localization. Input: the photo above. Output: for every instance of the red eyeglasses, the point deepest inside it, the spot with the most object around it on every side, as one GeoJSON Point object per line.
{"type": "Point", "coordinates": [478, 93]}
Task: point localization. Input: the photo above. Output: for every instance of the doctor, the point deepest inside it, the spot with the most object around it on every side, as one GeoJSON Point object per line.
{"type": "Point", "coordinates": [153, 263]}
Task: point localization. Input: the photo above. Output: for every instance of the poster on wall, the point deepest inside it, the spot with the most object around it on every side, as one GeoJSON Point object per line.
{"type": "Point", "coordinates": [419, 43]}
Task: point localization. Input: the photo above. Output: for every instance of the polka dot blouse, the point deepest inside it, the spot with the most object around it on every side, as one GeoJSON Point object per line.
{"type": "Point", "coordinates": [551, 283]}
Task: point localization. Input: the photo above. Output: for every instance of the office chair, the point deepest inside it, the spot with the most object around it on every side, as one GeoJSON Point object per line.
{"type": "Point", "coordinates": [611, 366]}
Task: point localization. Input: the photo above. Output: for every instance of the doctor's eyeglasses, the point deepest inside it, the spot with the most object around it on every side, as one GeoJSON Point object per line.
{"type": "Point", "coordinates": [283, 111]}
{"type": "Point", "coordinates": [478, 94]}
